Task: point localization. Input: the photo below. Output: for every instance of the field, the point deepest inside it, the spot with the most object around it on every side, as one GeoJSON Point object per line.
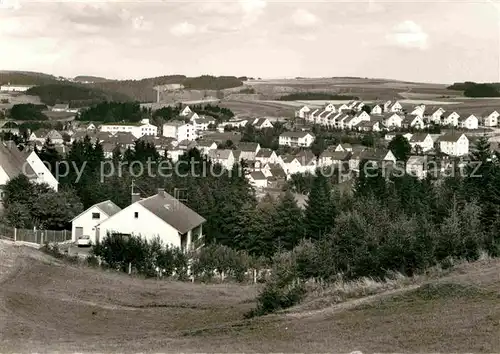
{"type": "Point", "coordinates": [47, 306]}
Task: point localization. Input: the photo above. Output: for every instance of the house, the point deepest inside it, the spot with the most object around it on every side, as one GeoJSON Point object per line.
{"type": "Point", "coordinates": [418, 110]}
{"type": "Point", "coordinates": [42, 134]}
{"type": "Point", "coordinates": [422, 142]}
{"type": "Point", "coordinates": [126, 140]}
{"type": "Point", "coordinates": [416, 166]}
{"type": "Point", "coordinates": [367, 126]}
{"type": "Point", "coordinates": [303, 112]}
{"type": "Point", "coordinates": [191, 116]}
{"type": "Point", "coordinates": [470, 122]}
{"type": "Point", "coordinates": [377, 109]}
{"type": "Point", "coordinates": [296, 139]}
{"type": "Point", "coordinates": [15, 88]}
{"type": "Point", "coordinates": [343, 108]}
{"type": "Point", "coordinates": [257, 179]}
{"type": "Point", "coordinates": [387, 104]}
{"type": "Point", "coordinates": [109, 148]}
{"type": "Point", "coordinates": [434, 114]}
{"type": "Point", "coordinates": [162, 144]}
{"type": "Point", "coordinates": [60, 108]}
{"type": "Point", "coordinates": [413, 121]}
{"type": "Point", "coordinates": [454, 144]}
{"type": "Point", "coordinates": [262, 123]}
{"type": "Point", "coordinates": [358, 106]}
{"type": "Point", "coordinates": [336, 158]}
{"type": "Point", "coordinates": [93, 136]}
{"type": "Point", "coordinates": [450, 119]}
{"type": "Point", "coordinates": [137, 129]}
{"type": "Point", "coordinates": [14, 162]}
{"type": "Point", "coordinates": [248, 151]}
{"type": "Point", "coordinates": [86, 222]}
{"type": "Point", "coordinates": [308, 161]}
{"type": "Point", "coordinates": [159, 216]}
{"type": "Point", "coordinates": [185, 112]}
{"type": "Point", "coordinates": [206, 145]}
{"type": "Point", "coordinates": [394, 107]}
{"type": "Point", "coordinates": [342, 147]}
{"type": "Point", "coordinates": [490, 119]}
{"type": "Point", "coordinates": [379, 157]}
{"type": "Point", "coordinates": [267, 156]}
{"type": "Point", "coordinates": [238, 123]}
{"type": "Point", "coordinates": [225, 158]}
{"type": "Point", "coordinates": [290, 164]}
{"type": "Point", "coordinates": [202, 123]}
{"type": "Point", "coordinates": [392, 120]}
{"type": "Point", "coordinates": [179, 130]}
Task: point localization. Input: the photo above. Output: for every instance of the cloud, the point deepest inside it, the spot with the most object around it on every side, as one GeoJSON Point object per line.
{"type": "Point", "coordinates": [10, 5]}
{"type": "Point", "coordinates": [408, 34]}
{"type": "Point", "coordinates": [140, 24]}
{"type": "Point", "coordinates": [303, 18]}
{"type": "Point", "coordinates": [183, 29]}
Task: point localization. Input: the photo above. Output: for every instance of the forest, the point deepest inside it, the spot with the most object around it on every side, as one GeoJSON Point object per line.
{"type": "Point", "coordinates": [472, 89]}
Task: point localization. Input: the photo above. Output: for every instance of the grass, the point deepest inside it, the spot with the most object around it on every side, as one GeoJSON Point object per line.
{"type": "Point", "coordinates": [50, 306]}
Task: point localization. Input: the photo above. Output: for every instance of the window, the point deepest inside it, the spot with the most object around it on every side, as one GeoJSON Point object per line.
{"type": "Point", "coordinates": [96, 216]}
{"type": "Point", "coordinates": [136, 214]}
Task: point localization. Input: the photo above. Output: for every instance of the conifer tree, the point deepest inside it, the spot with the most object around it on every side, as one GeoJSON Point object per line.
{"type": "Point", "coordinates": [319, 213]}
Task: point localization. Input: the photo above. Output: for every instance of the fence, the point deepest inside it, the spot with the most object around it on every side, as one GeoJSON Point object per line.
{"type": "Point", "coordinates": [34, 236]}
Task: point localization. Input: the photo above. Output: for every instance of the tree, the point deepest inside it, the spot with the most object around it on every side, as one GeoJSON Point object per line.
{"type": "Point", "coordinates": [288, 225]}
{"type": "Point", "coordinates": [400, 147]}
{"type": "Point", "coordinates": [54, 210]}
{"type": "Point", "coordinates": [366, 109]}
{"type": "Point", "coordinates": [50, 155]}
{"type": "Point", "coordinates": [319, 213]}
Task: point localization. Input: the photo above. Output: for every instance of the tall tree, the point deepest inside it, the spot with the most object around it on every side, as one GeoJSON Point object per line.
{"type": "Point", "coordinates": [319, 213]}
{"type": "Point", "coordinates": [288, 224]}
{"type": "Point", "coordinates": [400, 147]}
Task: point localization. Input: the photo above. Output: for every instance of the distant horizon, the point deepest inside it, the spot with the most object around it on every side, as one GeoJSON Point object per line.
{"type": "Point", "coordinates": [248, 76]}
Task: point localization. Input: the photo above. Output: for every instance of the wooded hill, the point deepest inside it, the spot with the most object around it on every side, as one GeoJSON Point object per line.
{"type": "Point", "coordinates": [472, 89]}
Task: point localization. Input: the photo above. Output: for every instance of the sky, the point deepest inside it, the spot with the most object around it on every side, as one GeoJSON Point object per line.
{"type": "Point", "coordinates": [425, 41]}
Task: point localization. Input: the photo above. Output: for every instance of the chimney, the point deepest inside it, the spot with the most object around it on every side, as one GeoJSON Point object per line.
{"type": "Point", "coordinates": [161, 192]}
{"type": "Point", "coordinates": [135, 197]}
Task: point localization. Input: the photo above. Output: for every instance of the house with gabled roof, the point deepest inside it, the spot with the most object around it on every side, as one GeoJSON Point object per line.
{"type": "Point", "coordinates": [290, 164]}
{"type": "Point", "coordinates": [377, 109]}
{"type": "Point", "coordinates": [450, 118]}
{"type": "Point", "coordinates": [307, 160]}
{"type": "Point", "coordinates": [267, 156]}
{"type": "Point", "coordinates": [85, 222]}
{"type": "Point", "coordinates": [422, 142]}
{"type": "Point", "coordinates": [468, 122]}
{"type": "Point", "coordinates": [42, 134]}
{"type": "Point", "coordinates": [490, 119]}
{"type": "Point", "coordinates": [343, 147]}
{"type": "Point", "coordinates": [257, 179]}
{"type": "Point", "coordinates": [434, 114]}
{"type": "Point", "coordinates": [262, 123]}
{"type": "Point", "coordinates": [367, 126]}
{"type": "Point", "coordinates": [159, 216]}
{"type": "Point", "coordinates": [336, 158]}
{"type": "Point", "coordinates": [9, 127]}
{"type": "Point", "coordinates": [418, 110]}
{"type": "Point", "coordinates": [413, 121]}
{"type": "Point", "coordinates": [343, 108]}
{"type": "Point", "coordinates": [296, 139]}
{"type": "Point", "coordinates": [205, 145]}
{"type": "Point", "coordinates": [416, 166]}
{"type": "Point", "coordinates": [303, 112]}
{"type": "Point", "coordinates": [185, 112]}
{"type": "Point", "coordinates": [248, 150]}
{"type": "Point", "coordinates": [454, 144]}
{"type": "Point", "coordinates": [392, 120]}
{"type": "Point", "coordinates": [223, 157]}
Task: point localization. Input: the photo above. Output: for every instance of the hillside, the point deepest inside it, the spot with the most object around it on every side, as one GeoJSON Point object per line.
{"type": "Point", "coordinates": [26, 78]}
{"type": "Point", "coordinates": [77, 95]}
{"type": "Point", "coordinates": [51, 306]}
{"type": "Point", "coordinates": [477, 90]}
{"type": "Point", "coordinates": [142, 90]}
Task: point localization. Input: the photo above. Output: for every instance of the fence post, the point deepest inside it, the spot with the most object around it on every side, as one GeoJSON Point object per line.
{"type": "Point", "coordinates": [41, 237]}
{"type": "Point", "coordinates": [15, 234]}
{"type": "Point", "coordinates": [130, 268]}
{"type": "Point", "coordinates": [255, 276]}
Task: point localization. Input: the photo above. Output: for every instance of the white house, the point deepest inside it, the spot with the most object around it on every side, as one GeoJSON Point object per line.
{"type": "Point", "coordinates": [434, 114]}
{"type": "Point", "coordinates": [14, 162]}
{"type": "Point", "coordinates": [137, 129]}
{"type": "Point", "coordinates": [179, 131]}
{"type": "Point", "coordinates": [422, 142]}
{"type": "Point", "coordinates": [393, 120]}
{"type": "Point", "coordinates": [248, 151]}
{"type": "Point", "coordinates": [413, 121]}
{"type": "Point", "coordinates": [60, 108]}
{"type": "Point", "coordinates": [296, 139]}
{"type": "Point", "coordinates": [257, 179]}
{"type": "Point", "coordinates": [302, 112]}
{"type": "Point", "coordinates": [41, 135]}
{"type": "Point", "coordinates": [491, 119]}
{"type": "Point", "coordinates": [15, 88]}
{"type": "Point", "coordinates": [454, 144]}
{"type": "Point", "coordinates": [206, 145]}
{"type": "Point", "coordinates": [450, 118]}
{"type": "Point", "coordinates": [85, 223]}
{"type": "Point", "coordinates": [262, 123]}
{"type": "Point", "coordinates": [159, 216]}
{"type": "Point", "coordinates": [225, 158]}
{"type": "Point", "coordinates": [395, 107]}
{"type": "Point", "coordinates": [418, 110]}
{"type": "Point", "coordinates": [369, 126]}
{"type": "Point", "coordinates": [343, 107]}
{"type": "Point", "coordinates": [186, 111]}
{"type": "Point", "coordinates": [202, 123]}
{"type": "Point", "coordinates": [337, 158]}
{"type": "Point", "coordinates": [377, 109]}
{"type": "Point", "coordinates": [468, 122]}
{"type": "Point", "coordinates": [267, 156]}
{"type": "Point", "coordinates": [290, 164]}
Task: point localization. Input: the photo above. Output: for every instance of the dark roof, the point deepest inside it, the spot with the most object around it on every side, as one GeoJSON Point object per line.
{"type": "Point", "coordinates": [265, 153]}
{"type": "Point", "coordinates": [419, 137]}
{"type": "Point", "coordinates": [220, 154]}
{"type": "Point", "coordinates": [297, 134]}
{"type": "Point", "coordinates": [173, 212]}
{"type": "Point", "coordinates": [336, 155]}
{"type": "Point", "coordinates": [258, 175]}
{"type": "Point", "coordinates": [451, 136]}
{"type": "Point", "coordinates": [205, 143]}
{"type": "Point", "coordinates": [248, 147]}
{"type": "Point", "coordinates": [108, 207]}
{"type": "Point", "coordinates": [13, 161]}
{"type": "Point", "coordinates": [288, 158]}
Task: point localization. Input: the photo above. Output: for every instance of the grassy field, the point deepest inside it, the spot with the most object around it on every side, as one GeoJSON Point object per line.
{"type": "Point", "coordinates": [48, 306]}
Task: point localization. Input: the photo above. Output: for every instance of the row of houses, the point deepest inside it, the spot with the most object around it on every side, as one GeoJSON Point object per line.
{"type": "Point", "coordinates": [392, 115]}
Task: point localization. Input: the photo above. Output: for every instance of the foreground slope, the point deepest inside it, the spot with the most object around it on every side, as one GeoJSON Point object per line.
{"type": "Point", "coordinates": [49, 306]}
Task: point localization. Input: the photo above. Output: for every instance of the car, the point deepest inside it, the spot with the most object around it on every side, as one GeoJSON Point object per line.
{"type": "Point", "coordinates": [83, 241]}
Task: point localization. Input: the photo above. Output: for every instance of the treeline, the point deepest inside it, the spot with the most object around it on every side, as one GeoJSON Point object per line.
{"type": "Point", "coordinates": [311, 96]}
{"type": "Point", "coordinates": [109, 112]}
{"type": "Point", "coordinates": [221, 114]}
{"type": "Point", "coordinates": [27, 112]}
{"type": "Point", "coordinates": [142, 90]}
{"type": "Point", "coordinates": [267, 137]}
{"type": "Point", "coordinates": [26, 78]}
{"type": "Point", "coordinates": [74, 94]}
{"type": "Point", "coordinates": [472, 89]}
